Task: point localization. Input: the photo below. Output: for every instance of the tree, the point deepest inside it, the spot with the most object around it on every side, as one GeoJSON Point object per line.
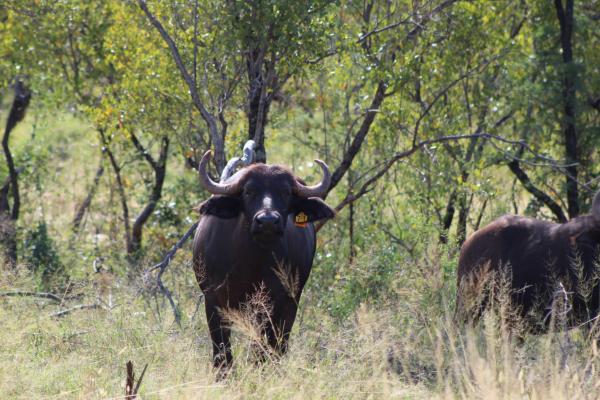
{"type": "Point", "coordinates": [271, 41]}
{"type": "Point", "coordinates": [559, 76]}
{"type": "Point", "coordinates": [113, 73]}
{"type": "Point", "coordinates": [138, 112]}
{"type": "Point", "coordinates": [9, 213]}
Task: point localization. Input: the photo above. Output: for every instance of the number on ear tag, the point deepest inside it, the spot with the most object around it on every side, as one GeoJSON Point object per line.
{"type": "Point", "coordinates": [301, 219]}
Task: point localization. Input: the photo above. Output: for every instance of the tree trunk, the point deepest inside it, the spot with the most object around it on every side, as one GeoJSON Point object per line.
{"type": "Point", "coordinates": [256, 126]}
{"type": "Point", "coordinates": [259, 101]}
{"type": "Point", "coordinates": [448, 217]}
{"type": "Point", "coordinates": [8, 214]}
{"type": "Point", "coordinates": [351, 253]}
{"type": "Point", "coordinates": [7, 226]}
{"type": "Point", "coordinates": [463, 214]}
{"type": "Point", "coordinates": [160, 169]}
{"type": "Point", "coordinates": [565, 19]}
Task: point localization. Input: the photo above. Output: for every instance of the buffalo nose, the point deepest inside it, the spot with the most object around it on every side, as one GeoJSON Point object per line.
{"type": "Point", "coordinates": [267, 220]}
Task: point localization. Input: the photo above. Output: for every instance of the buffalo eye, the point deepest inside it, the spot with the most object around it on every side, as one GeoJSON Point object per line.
{"type": "Point", "coordinates": [248, 193]}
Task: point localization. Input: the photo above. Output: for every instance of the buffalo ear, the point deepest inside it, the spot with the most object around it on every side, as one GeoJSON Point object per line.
{"type": "Point", "coordinates": [314, 208]}
{"type": "Point", "coordinates": [221, 207]}
{"type": "Point", "coordinates": [596, 206]}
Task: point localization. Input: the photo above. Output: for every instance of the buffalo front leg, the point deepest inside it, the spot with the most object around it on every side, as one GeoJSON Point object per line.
{"type": "Point", "coordinates": [280, 325]}
{"type": "Point", "coordinates": [220, 334]}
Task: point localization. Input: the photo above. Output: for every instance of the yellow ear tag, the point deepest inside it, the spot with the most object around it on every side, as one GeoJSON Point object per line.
{"type": "Point", "coordinates": [301, 219]}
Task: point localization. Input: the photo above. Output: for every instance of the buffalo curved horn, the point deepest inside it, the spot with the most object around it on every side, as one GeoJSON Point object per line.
{"type": "Point", "coordinates": [211, 186]}
{"type": "Point", "coordinates": [318, 190]}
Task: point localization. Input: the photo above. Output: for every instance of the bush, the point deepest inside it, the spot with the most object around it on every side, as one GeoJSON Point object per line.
{"type": "Point", "coordinates": [42, 258]}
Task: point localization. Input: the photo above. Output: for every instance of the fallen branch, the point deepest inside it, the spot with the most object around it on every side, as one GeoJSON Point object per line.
{"type": "Point", "coordinates": [42, 295]}
{"type": "Point", "coordinates": [64, 312]}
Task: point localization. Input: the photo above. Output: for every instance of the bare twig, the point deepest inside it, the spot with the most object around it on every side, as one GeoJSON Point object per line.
{"type": "Point", "coordinates": [365, 36]}
{"type": "Point", "coordinates": [162, 266]}
{"type": "Point", "coordinates": [419, 27]}
{"type": "Point", "coordinates": [159, 169]}
{"type": "Point", "coordinates": [120, 186]}
{"type": "Point", "coordinates": [81, 210]}
{"type": "Point", "coordinates": [171, 253]}
{"type": "Point", "coordinates": [442, 92]}
{"type": "Point", "coordinates": [66, 311]}
{"type": "Point", "coordinates": [143, 151]}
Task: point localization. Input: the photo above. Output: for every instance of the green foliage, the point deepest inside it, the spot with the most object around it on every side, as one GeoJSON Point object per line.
{"type": "Point", "coordinates": [292, 30]}
{"type": "Point", "coordinates": [370, 280]}
{"type": "Point", "coordinates": [41, 256]}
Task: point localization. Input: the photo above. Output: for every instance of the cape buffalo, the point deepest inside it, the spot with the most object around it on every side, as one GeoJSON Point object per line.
{"type": "Point", "coordinates": [256, 238]}
{"type": "Point", "coordinates": [542, 262]}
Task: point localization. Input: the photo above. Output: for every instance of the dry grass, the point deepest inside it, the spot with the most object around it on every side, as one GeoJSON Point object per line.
{"type": "Point", "coordinates": [392, 351]}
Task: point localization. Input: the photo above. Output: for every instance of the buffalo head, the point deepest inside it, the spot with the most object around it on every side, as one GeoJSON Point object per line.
{"type": "Point", "coordinates": [266, 195]}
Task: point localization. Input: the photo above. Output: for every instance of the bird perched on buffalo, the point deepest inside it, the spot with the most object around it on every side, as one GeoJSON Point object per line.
{"type": "Point", "coordinates": [256, 238]}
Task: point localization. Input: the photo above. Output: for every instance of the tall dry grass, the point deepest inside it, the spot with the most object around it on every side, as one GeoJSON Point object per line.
{"type": "Point", "coordinates": [398, 349]}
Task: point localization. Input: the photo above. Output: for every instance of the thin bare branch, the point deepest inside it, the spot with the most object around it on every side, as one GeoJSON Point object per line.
{"type": "Point", "coordinates": [368, 185]}
{"type": "Point", "coordinates": [142, 150]}
{"type": "Point", "coordinates": [210, 120]}
{"type": "Point", "coordinates": [120, 187]}
{"type": "Point", "coordinates": [359, 138]}
{"type": "Point", "coordinates": [85, 204]}
{"type": "Point", "coordinates": [162, 267]}
{"type": "Point", "coordinates": [516, 169]}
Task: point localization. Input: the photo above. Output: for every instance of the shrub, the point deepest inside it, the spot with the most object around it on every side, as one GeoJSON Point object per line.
{"type": "Point", "coordinates": [41, 256]}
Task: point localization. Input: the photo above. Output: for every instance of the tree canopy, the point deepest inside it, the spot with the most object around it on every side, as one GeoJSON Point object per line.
{"type": "Point", "coordinates": [444, 105]}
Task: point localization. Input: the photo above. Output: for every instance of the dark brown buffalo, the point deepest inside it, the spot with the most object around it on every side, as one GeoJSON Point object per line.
{"type": "Point", "coordinates": [256, 238]}
{"type": "Point", "coordinates": [541, 262]}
